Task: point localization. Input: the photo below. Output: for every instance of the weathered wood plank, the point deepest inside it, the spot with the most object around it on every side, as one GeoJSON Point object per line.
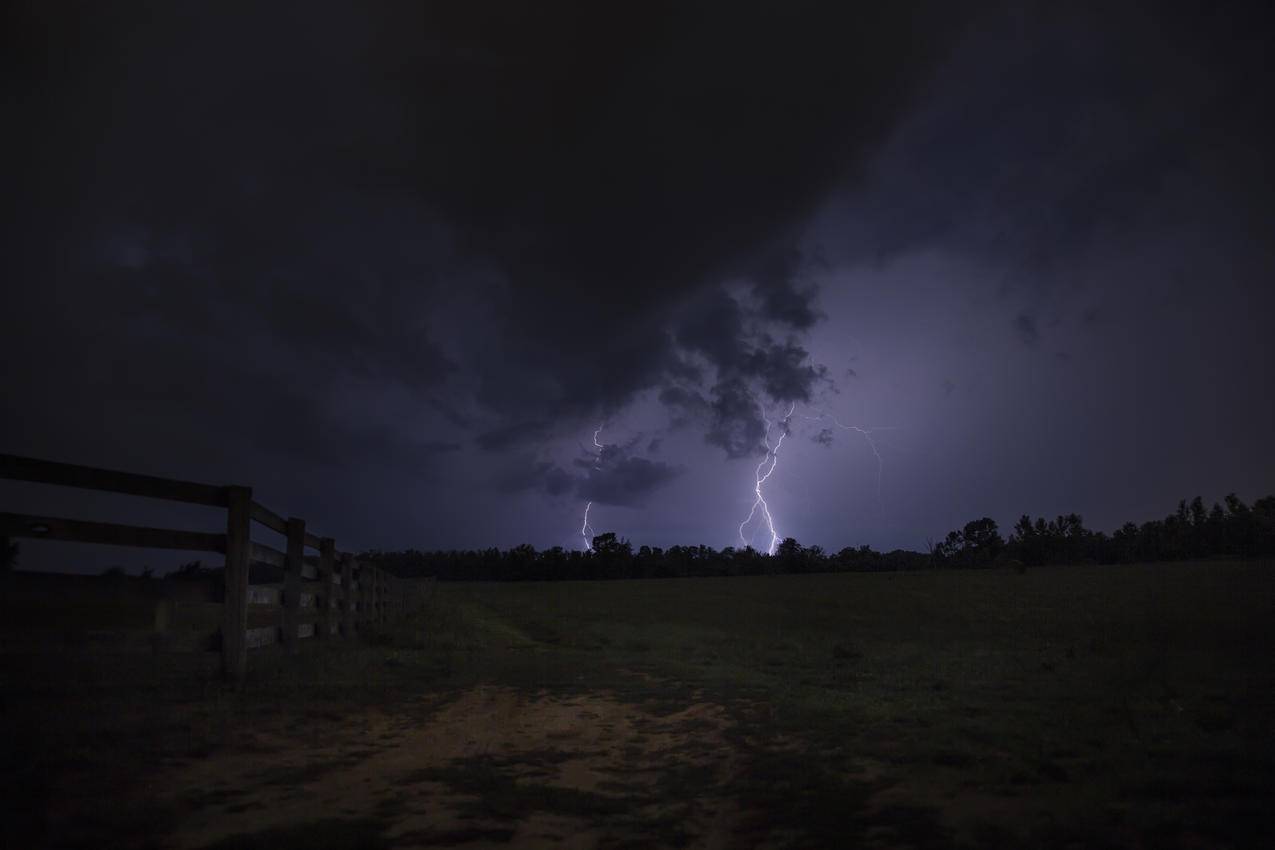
{"type": "Point", "coordinates": [268, 518]}
{"type": "Point", "coordinates": [264, 594]}
{"type": "Point", "coordinates": [53, 528]}
{"type": "Point", "coordinates": [259, 637]}
{"type": "Point", "coordinates": [271, 594]}
{"type": "Point", "coordinates": [275, 522]}
{"type": "Point", "coordinates": [265, 555]}
{"type": "Point", "coordinates": [18, 468]}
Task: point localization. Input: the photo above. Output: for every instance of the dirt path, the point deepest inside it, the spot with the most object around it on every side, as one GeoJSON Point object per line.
{"type": "Point", "coordinates": [493, 767]}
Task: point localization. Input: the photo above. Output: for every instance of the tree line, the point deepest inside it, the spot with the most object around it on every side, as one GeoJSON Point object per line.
{"type": "Point", "coordinates": [1193, 531]}
{"type": "Point", "coordinates": [1232, 530]}
{"type": "Point", "coordinates": [615, 558]}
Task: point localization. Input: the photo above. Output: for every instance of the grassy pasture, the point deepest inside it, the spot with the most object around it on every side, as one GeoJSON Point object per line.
{"type": "Point", "coordinates": [1064, 707]}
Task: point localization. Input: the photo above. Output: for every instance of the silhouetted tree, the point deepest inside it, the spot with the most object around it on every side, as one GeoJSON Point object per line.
{"type": "Point", "coordinates": [982, 541]}
{"type": "Point", "coordinates": [948, 552]}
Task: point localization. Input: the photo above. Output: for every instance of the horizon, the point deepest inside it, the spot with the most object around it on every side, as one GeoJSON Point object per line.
{"type": "Point", "coordinates": [97, 559]}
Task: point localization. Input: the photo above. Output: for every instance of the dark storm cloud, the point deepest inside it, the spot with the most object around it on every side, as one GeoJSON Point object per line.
{"type": "Point", "coordinates": [823, 438]}
{"type": "Point", "coordinates": [686, 405]}
{"type": "Point", "coordinates": [781, 298]}
{"type": "Point", "coordinates": [736, 424]}
{"type": "Point", "coordinates": [713, 327]}
{"type": "Point", "coordinates": [783, 303]}
{"type": "Point", "coordinates": [379, 332]}
{"type": "Point", "coordinates": [750, 367]}
{"type": "Point", "coordinates": [364, 234]}
{"type": "Point", "coordinates": [682, 153]}
{"type": "Point", "coordinates": [511, 435]}
{"type": "Point", "coordinates": [784, 371]}
{"type": "Point", "coordinates": [611, 476]}
{"type": "Point", "coordinates": [316, 185]}
{"type": "Point", "coordinates": [626, 482]}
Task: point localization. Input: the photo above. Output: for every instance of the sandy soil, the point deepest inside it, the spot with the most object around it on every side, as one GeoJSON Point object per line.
{"type": "Point", "coordinates": [491, 768]}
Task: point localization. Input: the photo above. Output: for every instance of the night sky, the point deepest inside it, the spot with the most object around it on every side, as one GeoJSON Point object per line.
{"type": "Point", "coordinates": [392, 265]}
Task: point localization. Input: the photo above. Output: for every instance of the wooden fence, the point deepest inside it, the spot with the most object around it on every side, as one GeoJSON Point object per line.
{"type": "Point", "coordinates": [327, 595]}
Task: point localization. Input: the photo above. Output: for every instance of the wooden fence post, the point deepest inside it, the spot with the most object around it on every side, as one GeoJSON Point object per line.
{"type": "Point", "coordinates": [347, 596]}
{"type": "Point", "coordinates": [234, 625]}
{"type": "Point", "coordinates": [292, 582]}
{"type": "Point", "coordinates": [327, 550]}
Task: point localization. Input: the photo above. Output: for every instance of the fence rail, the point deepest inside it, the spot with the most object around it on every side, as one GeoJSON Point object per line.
{"type": "Point", "coordinates": [326, 596]}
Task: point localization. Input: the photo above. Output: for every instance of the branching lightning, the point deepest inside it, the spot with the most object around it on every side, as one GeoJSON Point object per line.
{"type": "Point", "coordinates": [760, 517]}
{"type": "Point", "coordinates": [586, 530]}
{"type": "Point", "coordinates": [768, 463]}
{"type": "Point", "coordinates": [867, 436]}
{"type": "Point", "coordinates": [759, 478]}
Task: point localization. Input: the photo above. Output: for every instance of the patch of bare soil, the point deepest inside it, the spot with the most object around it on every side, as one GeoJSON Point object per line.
{"type": "Point", "coordinates": [494, 767]}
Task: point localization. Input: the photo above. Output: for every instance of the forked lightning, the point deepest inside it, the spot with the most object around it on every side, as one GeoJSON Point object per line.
{"type": "Point", "coordinates": [759, 478]}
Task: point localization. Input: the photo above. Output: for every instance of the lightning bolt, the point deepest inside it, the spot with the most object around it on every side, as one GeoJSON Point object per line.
{"type": "Point", "coordinates": [586, 530]}
{"type": "Point", "coordinates": [759, 478]}
{"type": "Point", "coordinates": [867, 436]}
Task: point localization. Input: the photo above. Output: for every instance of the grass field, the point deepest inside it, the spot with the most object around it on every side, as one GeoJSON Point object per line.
{"type": "Point", "coordinates": [1068, 707]}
